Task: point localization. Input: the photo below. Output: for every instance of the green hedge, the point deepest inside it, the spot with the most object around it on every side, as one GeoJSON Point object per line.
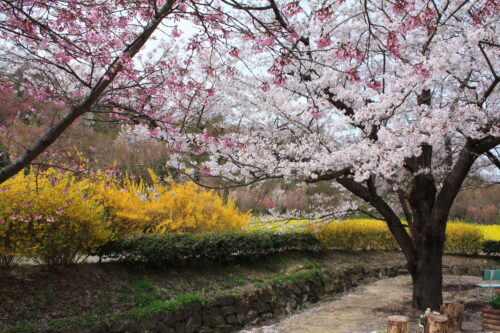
{"type": "Point", "coordinates": [222, 247]}
{"type": "Point", "coordinates": [491, 247]}
{"type": "Point", "coordinates": [173, 249]}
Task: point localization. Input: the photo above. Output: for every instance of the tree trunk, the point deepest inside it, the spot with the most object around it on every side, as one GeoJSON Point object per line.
{"type": "Point", "coordinates": [427, 275]}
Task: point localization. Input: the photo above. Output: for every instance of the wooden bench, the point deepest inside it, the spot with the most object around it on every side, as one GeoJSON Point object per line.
{"type": "Point", "coordinates": [490, 275]}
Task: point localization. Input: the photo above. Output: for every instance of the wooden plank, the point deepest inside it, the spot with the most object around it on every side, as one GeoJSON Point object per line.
{"type": "Point", "coordinates": [492, 328]}
{"type": "Point", "coordinates": [491, 316]}
{"type": "Point", "coordinates": [491, 321]}
{"type": "Point", "coordinates": [490, 311]}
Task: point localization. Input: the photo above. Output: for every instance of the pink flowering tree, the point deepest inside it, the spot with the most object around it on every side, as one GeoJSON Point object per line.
{"type": "Point", "coordinates": [395, 101]}
{"type": "Point", "coordinates": [122, 60]}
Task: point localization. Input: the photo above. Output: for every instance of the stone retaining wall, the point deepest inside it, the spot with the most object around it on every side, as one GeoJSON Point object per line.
{"type": "Point", "coordinates": [272, 302]}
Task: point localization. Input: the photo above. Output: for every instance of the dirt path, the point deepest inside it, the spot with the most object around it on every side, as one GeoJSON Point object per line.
{"type": "Point", "coordinates": [367, 307]}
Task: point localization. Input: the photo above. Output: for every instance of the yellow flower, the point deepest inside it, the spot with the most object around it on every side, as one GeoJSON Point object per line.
{"type": "Point", "coordinates": [169, 207]}
{"type": "Point", "coordinates": [51, 215]}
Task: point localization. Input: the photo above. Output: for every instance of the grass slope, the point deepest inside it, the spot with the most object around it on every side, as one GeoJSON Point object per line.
{"type": "Point", "coordinates": [33, 299]}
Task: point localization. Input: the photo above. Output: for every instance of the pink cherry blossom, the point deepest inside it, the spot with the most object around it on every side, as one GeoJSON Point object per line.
{"type": "Point", "coordinates": [206, 138]}
{"type": "Point", "coordinates": [324, 42]}
{"type": "Point", "coordinates": [199, 150]}
{"type": "Point", "coordinates": [235, 52]}
{"type": "Point", "coordinates": [409, 24]}
{"type": "Point", "coordinates": [401, 6]}
{"type": "Point", "coordinates": [344, 51]}
{"type": "Point", "coordinates": [392, 43]}
{"type": "Point", "coordinates": [228, 143]}
{"type": "Point", "coordinates": [323, 14]}
{"type": "Point", "coordinates": [315, 112]}
{"type": "Point", "coordinates": [353, 75]}
{"type": "Point", "coordinates": [274, 69]}
{"type": "Point", "coordinates": [420, 70]}
{"type": "Point", "coordinates": [292, 8]}
{"type": "Point", "coordinates": [231, 72]}
{"type": "Point", "coordinates": [293, 37]}
{"type": "Point", "coordinates": [211, 92]}
{"type": "Point", "coordinates": [359, 55]}
{"type": "Point", "coordinates": [176, 32]}
{"type": "Point", "coordinates": [266, 40]}
{"type": "Point", "coordinates": [374, 84]}
{"type": "Point", "coordinates": [279, 79]}
{"type": "Point", "coordinates": [204, 171]}
{"type": "Point", "coordinates": [122, 22]}
{"type": "Point", "coordinates": [181, 6]}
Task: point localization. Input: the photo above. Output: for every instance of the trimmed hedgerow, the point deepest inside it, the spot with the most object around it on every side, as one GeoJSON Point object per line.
{"type": "Point", "coordinates": [173, 249]}
{"type": "Point", "coordinates": [491, 247]}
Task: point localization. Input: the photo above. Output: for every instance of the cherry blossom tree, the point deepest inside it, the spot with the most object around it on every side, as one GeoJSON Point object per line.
{"type": "Point", "coordinates": [395, 101]}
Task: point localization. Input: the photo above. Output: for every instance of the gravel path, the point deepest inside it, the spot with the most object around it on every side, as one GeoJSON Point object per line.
{"type": "Point", "coordinates": [366, 308]}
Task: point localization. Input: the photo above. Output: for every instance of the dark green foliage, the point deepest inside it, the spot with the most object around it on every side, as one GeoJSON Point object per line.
{"type": "Point", "coordinates": [491, 247]}
{"type": "Point", "coordinates": [220, 247]}
{"type": "Point", "coordinates": [495, 301]}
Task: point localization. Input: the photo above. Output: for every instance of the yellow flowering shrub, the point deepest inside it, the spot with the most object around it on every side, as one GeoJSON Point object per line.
{"type": "Point", "coordinates": [303, 225]}
{"type": "Point", "coordinates": [136, 207]}
{"type": "Point", "coordinates": [356, 234]}
{"type": "Point", "coordinates": [463, 238]}
{"type": "Point", "coordinates": [491, 232]}
{"type": "Point", "coordinates": [52, 216]}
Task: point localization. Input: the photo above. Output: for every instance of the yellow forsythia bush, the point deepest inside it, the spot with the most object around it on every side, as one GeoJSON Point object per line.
{"type": "Point", "coordinates": [52, 216]}
{"type": "Point", "coordinates": [372, 234]}
{"type": "Point", "coordinates": [137, 207]}
{"type": "Point", "coordinates": [357, 234]}
{"type": "Point", "coordinates": [491, 232]}
{"type": "Point", "coordinates": [363, 234]}
{"type": "Point", "coordinates": [463, 238]}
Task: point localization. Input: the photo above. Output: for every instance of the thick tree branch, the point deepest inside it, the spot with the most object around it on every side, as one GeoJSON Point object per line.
{"type": "Point", "coordinates": [453, 182]}
{"type": "Point", "coordinates": [392, 220]}
{"type": "Point", "coordinates": [493, 159]}
{"type": "Point", "coordinates": [328, 175]}
{"type": "Point", "coordinates": [403, 201]}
